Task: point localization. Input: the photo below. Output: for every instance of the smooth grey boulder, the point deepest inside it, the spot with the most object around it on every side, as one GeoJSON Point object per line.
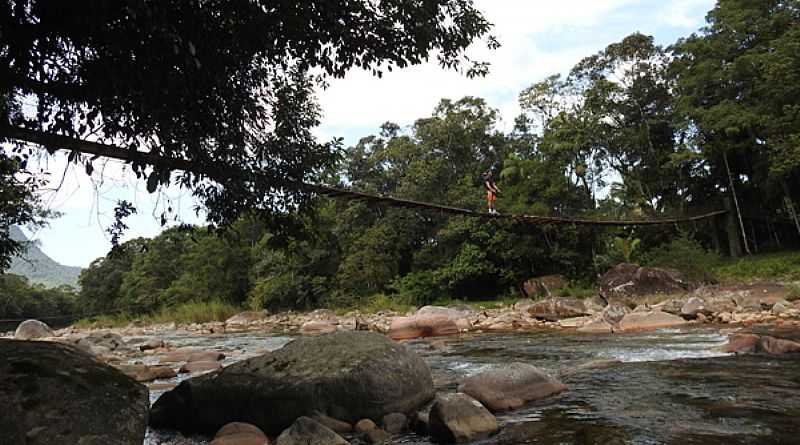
{"type": "Point", "coordinates": [345, 375]}
{"type": "Point", "coordinates": [32, 329]}
{"type": "Point", "coordinates": [54, 393]}
{"type": "Point", "coordinates": [511, 386]}
{"type": "Point", "coordinates": [558, 308]}
{"type": "Point", "coordinates": [458, 418]}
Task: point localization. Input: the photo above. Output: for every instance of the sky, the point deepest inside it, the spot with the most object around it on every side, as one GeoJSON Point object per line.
{"type": "Point", "coordinates": [538, 38]}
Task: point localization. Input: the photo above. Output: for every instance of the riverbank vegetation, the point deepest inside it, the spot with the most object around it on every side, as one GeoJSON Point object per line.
{"type": "Point", "coordinates": [637, 130]}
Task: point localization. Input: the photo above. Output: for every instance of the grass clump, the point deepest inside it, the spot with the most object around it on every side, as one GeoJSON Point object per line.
{"type": "Point", "coordinates": [775, 266]}
{"type": "Point", "coordinates": [196, 312]}
{"type": "Point", "coordinates": [184, 313]}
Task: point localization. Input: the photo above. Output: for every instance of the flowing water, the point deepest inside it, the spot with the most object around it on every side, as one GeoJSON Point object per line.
{"type": "Point", "coordinates": [663, 387]}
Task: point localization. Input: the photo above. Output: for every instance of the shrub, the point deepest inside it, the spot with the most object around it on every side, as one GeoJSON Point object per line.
{"type": "Point", "coordinates": [417, 288]}
{"type": "Point", "coordinates": [685, 255]}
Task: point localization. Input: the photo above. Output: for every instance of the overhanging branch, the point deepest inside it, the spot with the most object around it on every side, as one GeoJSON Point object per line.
{"type": "Point", "coordinates": [223, 172]}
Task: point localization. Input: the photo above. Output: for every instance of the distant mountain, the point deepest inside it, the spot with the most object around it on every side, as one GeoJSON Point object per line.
{"type": "Point", "coordinates": [40, 268]}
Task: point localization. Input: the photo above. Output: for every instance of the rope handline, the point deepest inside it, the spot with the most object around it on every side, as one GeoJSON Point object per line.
{"type": "Point", "coordinates": [533, 219]}
{"type": "Point", "coordinates": [222, 172]}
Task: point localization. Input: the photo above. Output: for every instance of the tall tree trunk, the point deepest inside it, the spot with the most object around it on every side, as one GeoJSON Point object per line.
{"type": "Point", "coordinates": [790, 204]}
{"type": "Point", "coordinates": [736, 201]}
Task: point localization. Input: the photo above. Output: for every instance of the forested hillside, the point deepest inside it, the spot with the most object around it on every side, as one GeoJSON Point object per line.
{"type": "Point", "coordinates": [40, 268]}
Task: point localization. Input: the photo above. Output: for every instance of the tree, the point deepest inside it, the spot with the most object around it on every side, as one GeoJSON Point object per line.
{"type": "Point", "coordinates": [101, 282]}
{"type": "Point", "coordinates": [738, 81]}
{"type": "Point", "coordinates": [223, 91]}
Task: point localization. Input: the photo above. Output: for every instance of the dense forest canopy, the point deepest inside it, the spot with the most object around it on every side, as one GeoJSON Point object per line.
{"type": "Point", "coordinates": [636, 129]}
{"type": "Point", "coordinates": [214, 83]}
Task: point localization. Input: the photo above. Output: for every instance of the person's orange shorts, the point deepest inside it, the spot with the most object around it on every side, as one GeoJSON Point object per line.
{"type": "Point", "coordinates": [491, 197]}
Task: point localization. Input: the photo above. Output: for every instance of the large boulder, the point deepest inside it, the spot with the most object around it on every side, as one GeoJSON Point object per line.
{"type": "Point", "coordinates": [317, 327]}
{"type": "Point", "coordinates": [146, 373]}
{"type": "Point", "coordinates": [404, 328]}
{"type": "Point", "coordinates": [32, 329]}
{"type": "Point", "coordinates": [752, 343]}
{"type": "Point", "coordinates": [345, 375]}
{"type": "Point", "coordinates": [627, 281]}
{"type": "Point", "coordinates": [56, 393]}
{"type": "Point", "coordinates": [596, 327]}
{"type": "Point", "coordinates": [646, 321]}
{"type": "Point", "coordinates": [511, 386]}
{"type": "Point", "coordinates": [307, 431]}
{"type": "Point", "coordinates": [245, 318]}
{"type": "Point", "coordinates": [557, 308]}
{"type": "Point", "coordinates": [99, 343]}
{"type": "Point", "coordinates": [458, 418]}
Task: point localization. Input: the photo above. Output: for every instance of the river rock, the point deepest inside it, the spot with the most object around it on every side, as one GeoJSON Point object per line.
{"type": "Point", "coordinates": [458, 418]}
{"type": "Point", "coordinates": [614, 313]}
{"type": "Point", "coordinates": [322, 314]}
{"type": "Point", "coordinates": [377, 436]}
{"type": "Point", "coordinates": [245, 318]}
{"type": "Point", "coordinates": [752, 343]}
{"type": "Point", "coordinates": [200, 366]}
{"type": "Point", "coordinates": [364, 425]}
{"type": "Point", "coordinates": [239, 433]}
{"type": "Point", "coordinates": [778, 346]}
{"type": "Point", "coordinates": [695, 306]}
{"type": "Point", "coordinates": [672, 306]}
{"type": "Point", "coordinates": [596, 327]}
{"type": "Point", "coordinates": [317, 327]}
{"type": "Point", "coordinates": [625, 281]}
{"type": "Point", "coordinates": [56, 393]}
{"type": "Point", "coordinates": [102, 342]}
{"type": "Point", "coordinates": [33, 329]}
{"type": "Point", "coordinates": [645, 321]}
{"type": "Point", "coordinates": [151, 343]}
{"type": "Point", "coordinates": [557, 308]}
{"type": "Point", "coordinates": [416, 326]}
{"type": "Point", "coordinates": [336, 425]}
{"type": "Point", "coordinates": [205, 356]}
{"type": "Point", "coordinates": [458, 315]}
{"type": "Point", "coordinates": [145, 373]}
{"type": "Point", "coordinates": [595, 304]}
{"type": "Point", "coordinates": [344, 375]}
{"type": "Point", "coordinates": [575, 322]}
{"type": "Point", "coordinates": [741, 344]}
{"type": "Point", "coordinates": [523, 305]}
{"type": "Point", "coordinates": [420, 422]}
{"type": "Point", "coordinates": [307, 431]}
{"type": "Point", "coordinates": [780, 307]}
{"type": "Point", "coordinates": [510, 386]}
{"type": "Point", "coordinates": [395, 423]}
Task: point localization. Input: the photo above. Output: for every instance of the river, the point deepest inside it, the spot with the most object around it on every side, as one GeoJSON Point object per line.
{"type": "Point", "coordinates": [662, 387]}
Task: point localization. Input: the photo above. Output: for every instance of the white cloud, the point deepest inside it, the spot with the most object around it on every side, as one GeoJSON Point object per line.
{"type": "Point", "coordinates": [525, 28]}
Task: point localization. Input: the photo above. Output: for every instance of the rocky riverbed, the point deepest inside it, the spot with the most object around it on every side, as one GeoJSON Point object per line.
{"type": "Point", "coordinates": [714, 365]}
